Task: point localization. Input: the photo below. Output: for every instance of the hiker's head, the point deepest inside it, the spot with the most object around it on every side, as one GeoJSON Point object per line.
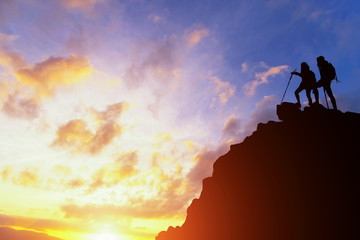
{"type": "Point", "coordinates": [320, 59]}
{"type": "Point", "coordinates": [304, 67]}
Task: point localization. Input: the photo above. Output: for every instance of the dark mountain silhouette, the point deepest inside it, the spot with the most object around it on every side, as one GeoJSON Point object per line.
{"type": "Point", "coordinates": [7, 233]}
{"type": "Point", "coordinates": [294, 179]}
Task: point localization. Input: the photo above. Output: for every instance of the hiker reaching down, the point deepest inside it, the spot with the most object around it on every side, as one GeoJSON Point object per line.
{"type": "Point", "coordinates": [308, 82]}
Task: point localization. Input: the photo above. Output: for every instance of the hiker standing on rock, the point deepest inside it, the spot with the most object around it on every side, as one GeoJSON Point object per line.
{"type": "Point", "coordinates": [327, 74]}
{"type": "Point", "coordinates": [308, 82]}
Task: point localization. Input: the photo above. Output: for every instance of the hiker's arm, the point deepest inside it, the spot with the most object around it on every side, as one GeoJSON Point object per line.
{"type": "Point", "coordinates": [296, 73]}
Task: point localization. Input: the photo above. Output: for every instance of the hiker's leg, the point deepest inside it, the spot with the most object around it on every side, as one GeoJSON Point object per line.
{"type": "Point", "coordinates": [297, 95]}
{"type": "Point", "coordinates": [308, 94]}
{"type": "Point", "coordinates": [331, 96]}
{"type": "Point", "coordinates": [316, 93]}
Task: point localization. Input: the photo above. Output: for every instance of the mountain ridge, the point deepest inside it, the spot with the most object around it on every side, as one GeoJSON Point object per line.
{"type": "Point", "coordinates": [293, 179]}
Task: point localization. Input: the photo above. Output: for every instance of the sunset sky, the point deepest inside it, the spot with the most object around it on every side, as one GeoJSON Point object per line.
{"type": "Point", "coordinates": [112, 112]}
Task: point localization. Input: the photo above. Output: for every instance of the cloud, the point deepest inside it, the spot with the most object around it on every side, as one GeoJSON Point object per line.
{"type": "Point", "coordinates": [160, 207]}
{"type": "Point", "coordinates": [232, 127]}
{"type": "Point", "coordinates": [21, 107]}
{"type": "Point", "coordinates": [7, 233]}
{"type": "Point", "coordinates": [244, 67]}
{"type": "Point", "coordinates": [160, 62]}
{"type": "Point", "coordinates": [265, 111]}
{"type": "Point", "coordinates": [61, 171]}
{"type": "Point", "coordinates": [11, 60]}
{"type": "Point", "coordinates": [63, 177]}
{"type": "Point", "coordinates": [6, 172]}
{"type": "Point", "coordinates": [22, 99]}
{"type": "Point", "coordinates": [224, 90]}
{"type": "Point", "coordinates": [45, 77]}
{"type": "Point", "coordinates": [158, 18]}
{"type": "Point", "coordinates": [204, 165]}
{"type": "Point", "coordinates": [39, 224]}
{"type": "Point", "coordinates": [5, 38]}
{"type": "Point", "coordinates": [76, 183]}
{"type": "Point", "coordinates": [77, 135]}
{"type": "Point", "coordinates": [28, 177]}
{"type": "Point", "coordinates": [165, 204]}
{"type": "Point", "coordinates": [236, 129]}
{"type": "Point", "coordinates": [262, 78]}
{"type": "Point", "coordinates": [85, 5]}
{"type": "Point", "coordinates": [194, 36]}
{"type": "Point", "coordinates": [155, 193]}
{"type": "Point", "coordinates": [112, 173]}
{"type": "Point", "coordinates": [315, 15]}
{"type": "Point", "coordinates": [8, 58]}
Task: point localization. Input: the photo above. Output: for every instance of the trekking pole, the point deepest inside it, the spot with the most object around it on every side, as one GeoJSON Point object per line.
{"type": "Point", "coordinates": [326, 99]}
{"type": "Point", "coordinates": [287, 87]}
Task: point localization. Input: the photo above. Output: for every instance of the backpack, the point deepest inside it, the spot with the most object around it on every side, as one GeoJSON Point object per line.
{"type": "Point", "coordinates": [330, 71]}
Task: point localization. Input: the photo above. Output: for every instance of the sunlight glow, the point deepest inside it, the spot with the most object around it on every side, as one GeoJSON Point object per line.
{"type": "Point", "coordinates": [106, 236]}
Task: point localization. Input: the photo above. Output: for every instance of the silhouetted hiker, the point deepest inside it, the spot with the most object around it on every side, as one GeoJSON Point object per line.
{"type": "Point", "coordinates": [308, 83]}
{"type": "Point", "coordinates": [327, 74]}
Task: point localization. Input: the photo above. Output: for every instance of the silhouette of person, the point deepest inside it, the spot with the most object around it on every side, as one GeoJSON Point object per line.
{"type": "Point", "coordinates": [327, 74]}
{"type": "Point", "coordinates": [308, 82]}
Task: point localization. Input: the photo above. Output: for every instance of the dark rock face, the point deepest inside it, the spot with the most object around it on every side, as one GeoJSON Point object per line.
{"type": "Point", "coordinates": [296, 179]}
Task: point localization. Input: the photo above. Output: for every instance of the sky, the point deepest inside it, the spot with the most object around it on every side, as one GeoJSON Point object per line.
{"type": "Point", "coordinates": [112, 112]}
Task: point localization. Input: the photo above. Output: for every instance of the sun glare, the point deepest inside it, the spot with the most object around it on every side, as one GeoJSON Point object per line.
{"type": "Point", "coordinates": [106, 236]}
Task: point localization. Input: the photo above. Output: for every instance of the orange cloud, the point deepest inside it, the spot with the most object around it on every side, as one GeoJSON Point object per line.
{"type": "Point", "coordinates": [22, 99]}
{"type": "Point", "coordinates": [165, 205]}
{"type": "Point", "coordinates": [167, 194]}
{"type": "Point", "coordinates": [45, 77]}
{"type": "Point", "coordinates": [112, 112]}
{"type": "Point", "coordinates": [28, 177]}
{"type": "Point", "coordinates": [193, 37]}
{"type": "Point", "coordinates": [76, 183]}
{"type": "Point", "coordinates": [76, 133]}
{"type": "Point", "coordinates": [85, 5]}
{"type": "Point", "coordinates": [262, 78]}
{"type": "Point", "coordinates": [5, 173]}
{"type": "Point", "coordinates": [112, 173]}
{"type": "Point", "coordinates": [61, 170]}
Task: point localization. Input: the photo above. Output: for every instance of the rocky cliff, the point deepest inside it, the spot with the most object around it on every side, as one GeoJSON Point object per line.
{"type": "Point", "coordinates": [293, 179]}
